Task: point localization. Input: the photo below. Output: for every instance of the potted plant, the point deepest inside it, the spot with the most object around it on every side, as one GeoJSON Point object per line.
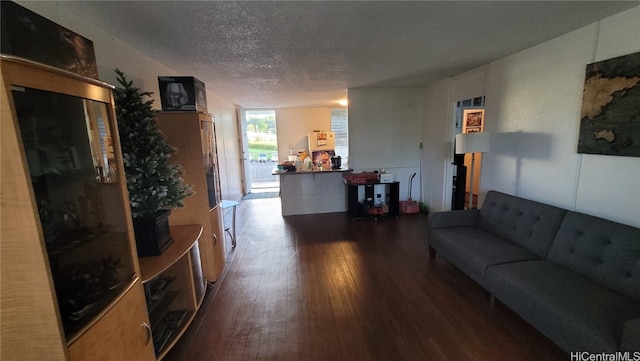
{"type": "Point", "coordinates": [155, 185]}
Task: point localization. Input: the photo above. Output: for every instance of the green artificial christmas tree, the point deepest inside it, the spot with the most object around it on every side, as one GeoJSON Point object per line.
{"type": "Point", "coordinates": [153, 182]}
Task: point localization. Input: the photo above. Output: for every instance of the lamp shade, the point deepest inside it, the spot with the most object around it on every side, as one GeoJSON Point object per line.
{"type": "Point", "coordinates": [478, 142]}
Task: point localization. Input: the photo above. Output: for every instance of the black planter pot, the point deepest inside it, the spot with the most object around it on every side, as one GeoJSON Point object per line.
{"type": "Point", "coordinates": [153, 236]}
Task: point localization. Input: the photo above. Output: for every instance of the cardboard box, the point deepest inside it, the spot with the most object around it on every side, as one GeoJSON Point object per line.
{"type": "Point", "coordinates": [184, 93]}
{"type": "Point", "coordinates": [386, 178]}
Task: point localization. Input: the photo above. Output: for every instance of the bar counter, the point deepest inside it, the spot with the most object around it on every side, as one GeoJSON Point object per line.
{"type": "Point", "coordinates": [310, 192]}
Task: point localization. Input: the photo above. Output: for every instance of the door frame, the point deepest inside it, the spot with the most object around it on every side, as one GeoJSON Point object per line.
{"type": "Point", "coordinates": [244, 150]}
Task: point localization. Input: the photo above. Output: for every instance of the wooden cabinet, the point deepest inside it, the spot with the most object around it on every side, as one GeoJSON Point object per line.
{"type": "Point", "coordinates": [68, 261]}
{"type": "Point", "coordinates": [174, 287]}
{"type": "Point", "coordinates": [193, 134]}
{"type": "Point", "coordinates": [105, 339]}
{"type": "Point", "coordinates": [217, 235]}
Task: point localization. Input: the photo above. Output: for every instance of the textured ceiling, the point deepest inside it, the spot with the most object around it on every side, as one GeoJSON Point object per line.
{"type": "Point", "coordinates": [307, 53]}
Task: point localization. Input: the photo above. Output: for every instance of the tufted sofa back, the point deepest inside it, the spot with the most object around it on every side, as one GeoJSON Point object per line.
{"type": "Point", "coordinates": [604, 251]}
{"type": "Point", "coordinates": [530, 224]}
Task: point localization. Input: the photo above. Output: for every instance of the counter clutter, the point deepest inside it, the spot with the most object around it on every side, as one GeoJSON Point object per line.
{"type": "Point", "coordinates": [289, 170]}
{"type": "Point", "coordinates": [321, 161]}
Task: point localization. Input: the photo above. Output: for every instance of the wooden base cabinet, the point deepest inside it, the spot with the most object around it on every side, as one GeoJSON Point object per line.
{"type": "Point", "coordinates": [70, 285]}
{"type": "Point", "coordinates": [193, 134]}
{"type": "Point", "coordinates": [217, 235]}
{"type": "Point", "coordinates": [106, 341]}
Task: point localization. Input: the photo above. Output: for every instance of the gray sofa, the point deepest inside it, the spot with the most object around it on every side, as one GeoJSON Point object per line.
{"type": "Point", "coordinates": [574, 277]}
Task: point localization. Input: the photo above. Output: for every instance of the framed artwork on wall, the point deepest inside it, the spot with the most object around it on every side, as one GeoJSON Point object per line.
{"type": "Point", "coordinates": [473, 120]}
{"type": "Point", "coordinates": [28, 35]}
{"type": "Point", "coordinates": [610, 116]}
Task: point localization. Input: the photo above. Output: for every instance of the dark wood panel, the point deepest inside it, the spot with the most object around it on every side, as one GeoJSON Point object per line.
{"type": "Point", "coordinates": [323, 287]}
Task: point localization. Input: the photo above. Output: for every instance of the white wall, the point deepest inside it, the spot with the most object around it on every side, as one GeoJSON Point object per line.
{"type": "Point", "coordinates": [437, 135]}
{"type": "Point", "coordinates": [294, 125]}
{"type": "Point", "coordinates": [385, 132]}
{"type": "Point", "coordinates": [143, 70]}
{"type": "Point", "coordinates": [609, 186]}
{"type": "Point", "coordinates": [533, 102]}
{"type": "Point", "coordinates": [533, 105]}
{"type": "Point", "coordinates": [533, 108]}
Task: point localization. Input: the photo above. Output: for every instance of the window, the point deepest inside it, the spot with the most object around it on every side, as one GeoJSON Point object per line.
{"type": "Point", "coordinates": [340, 128]}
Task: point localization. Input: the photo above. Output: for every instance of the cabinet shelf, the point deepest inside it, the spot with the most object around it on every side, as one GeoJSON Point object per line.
{"type": "Point", "coordinates": [169, 329]}
{"type": "Point", "coordinates": [73, 240]}
{"type": "Point", "coordinates": [184, 238]}
{"type": "Point", "coordinates": [161, 307]}
{"type": "Point", "coordinates": [175, 334]}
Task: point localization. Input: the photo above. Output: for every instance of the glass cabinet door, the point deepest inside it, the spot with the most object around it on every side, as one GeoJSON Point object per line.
{"type": "Point", "coordinates": [210, 155]}
{"type": "Point", "coordinates": [68, 146]}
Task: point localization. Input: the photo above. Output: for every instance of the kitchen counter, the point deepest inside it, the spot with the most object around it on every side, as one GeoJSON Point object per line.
{"type": "Point", "coordinates": [311, 192]}
{"type": "Point", "coordinates": [284, 172]}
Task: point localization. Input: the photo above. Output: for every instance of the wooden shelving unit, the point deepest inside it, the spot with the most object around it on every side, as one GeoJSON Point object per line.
{"type": "Point", "coordinates": [174, 287]}
{"type": "Point", "coordinates": [194, 135]}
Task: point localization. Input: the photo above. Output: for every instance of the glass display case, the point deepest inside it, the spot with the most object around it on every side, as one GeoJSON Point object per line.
{"type": "Point", "coordinates": [68, 138]}
{"type": "Point", "coordinates": [210, 156]}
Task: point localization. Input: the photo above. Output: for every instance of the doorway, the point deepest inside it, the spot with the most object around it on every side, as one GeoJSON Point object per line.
{"type": "Point", "coordinates": [469, 118]}
{"type": "Point", "coordinates": [262, 141]}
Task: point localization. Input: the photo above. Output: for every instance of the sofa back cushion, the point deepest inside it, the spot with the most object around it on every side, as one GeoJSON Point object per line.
{"type": "Point", "coordinates": [530, 224]}
{"type": "Point", "coordinates": [604, 251]}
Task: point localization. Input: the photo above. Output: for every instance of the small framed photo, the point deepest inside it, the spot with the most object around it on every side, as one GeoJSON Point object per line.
{"type": "Point", "coordinates": [322, 139]}
{"type": "Point", "coordinates": [473, 120]}
{"type": "Point", "coordinates": [473, 117]}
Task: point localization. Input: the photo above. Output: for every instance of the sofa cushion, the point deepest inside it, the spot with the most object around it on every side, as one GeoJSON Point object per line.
{"type": "Point", "coordinates": [631, 336]}
{"type": "Point", "coordinates": [604, 251]}
{"type": "Point", "coordinates": [573, 311]}
{"type": "Point", "coordinates": [473, 250]}
{"type": "Point", "coordinates": [530, 224]}
{"type": "Point", "coordinates": [467, 217]}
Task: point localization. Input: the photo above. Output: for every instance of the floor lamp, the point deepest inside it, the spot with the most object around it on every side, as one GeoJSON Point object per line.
{"type": "Point", "coordinates": [478, 142]}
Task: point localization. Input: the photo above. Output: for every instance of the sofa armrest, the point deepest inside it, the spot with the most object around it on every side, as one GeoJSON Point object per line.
{"type": "Point", "coordinates": [466, 217]}
{"type": "Point", "coordinates": [630, 340]}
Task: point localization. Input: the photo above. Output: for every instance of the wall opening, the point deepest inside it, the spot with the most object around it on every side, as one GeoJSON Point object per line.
{"type": "Point", "coordinates": [469, 118]}
{"type": "Point", "coordinates": [262, 141]}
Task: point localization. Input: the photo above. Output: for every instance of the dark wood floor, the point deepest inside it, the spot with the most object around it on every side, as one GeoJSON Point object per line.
{"type": "Point", "coordinates": [322, 287]}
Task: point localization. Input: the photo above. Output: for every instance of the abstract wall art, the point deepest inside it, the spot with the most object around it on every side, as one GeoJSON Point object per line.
{"type": "Point", "coordinates": [610, 117]}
